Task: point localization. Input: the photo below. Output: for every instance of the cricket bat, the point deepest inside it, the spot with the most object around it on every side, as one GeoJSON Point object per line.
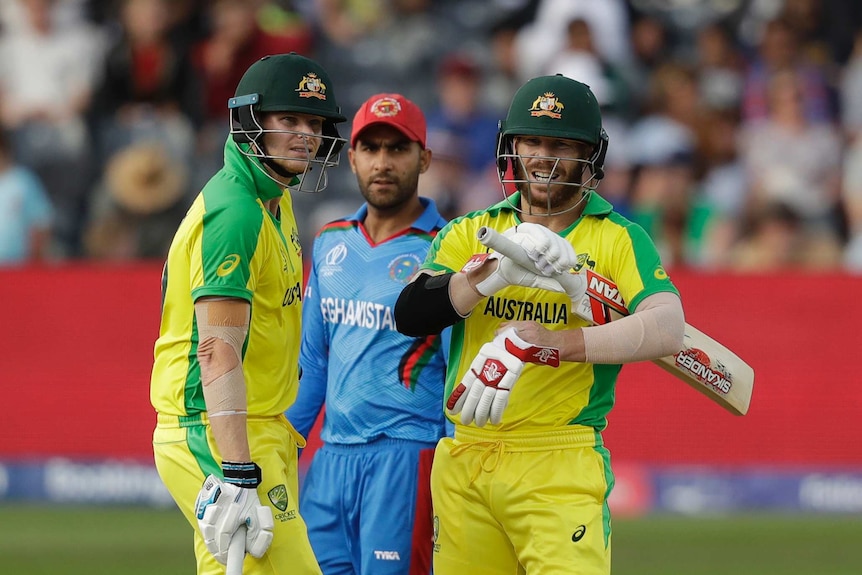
{"type": "Point", "coordinates": [236, 552]}
{"type": "Point", "coordinates": [703, 363]}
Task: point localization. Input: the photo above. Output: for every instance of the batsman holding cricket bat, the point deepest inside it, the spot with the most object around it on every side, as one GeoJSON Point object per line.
{"type": "Point", "coordinates": [523, 485]}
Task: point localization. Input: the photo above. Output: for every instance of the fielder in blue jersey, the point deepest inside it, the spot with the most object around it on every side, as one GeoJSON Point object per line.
{"type": "Point", "coordinates": [366, 497]}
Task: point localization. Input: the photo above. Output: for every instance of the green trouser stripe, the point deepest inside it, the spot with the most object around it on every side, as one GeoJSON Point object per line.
{"type": "Point", "coordinates": [609, 481]}
{"type": "Point", "coordinates": [196, 438]}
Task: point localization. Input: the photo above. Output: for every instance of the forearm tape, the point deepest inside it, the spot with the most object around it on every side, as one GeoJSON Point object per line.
{"type": "Point", "coordinates": [224, 393]}
{"type": "Point", "coordinates": [655, 330]}
{"type": "Point", "coordinates": [424, 306]}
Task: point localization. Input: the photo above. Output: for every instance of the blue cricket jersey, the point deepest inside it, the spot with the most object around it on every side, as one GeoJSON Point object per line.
{"type": "Point", "coordinates": [375, 381]}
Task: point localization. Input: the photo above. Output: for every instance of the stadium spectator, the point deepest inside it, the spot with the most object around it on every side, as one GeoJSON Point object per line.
{"type": "Point", "coordinates": [137, 206]}
{"type": "Point", "coordinates": [26, 213]}
{"type": "Point", "coordinates": [235, 40]}
{"type": "Point", "coordinates": [775, 239]}
{"type": "Point", "coordinates": [779, 50]}
{"type": "Point", "coordinates": [463, 112]}
{"type": "Point", "coordinates": [790, 159]}
{"type": "Point", "coordinates": [544, 36]}
{"type": "Point", "coordinates": [47, 75]}
{"type": "Point", "coordinates": [149, 89]}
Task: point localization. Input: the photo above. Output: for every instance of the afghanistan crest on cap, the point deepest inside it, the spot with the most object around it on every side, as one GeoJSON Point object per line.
{"type": "Point", "coordinates": [385, 107]}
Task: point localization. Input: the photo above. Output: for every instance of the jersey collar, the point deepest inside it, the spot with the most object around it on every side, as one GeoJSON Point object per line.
{"type": "Point", "coordinates": [596, 205]}
{"type": "Point", "coordinates": [239, 163]}
{"type": "Point", "coordinates": [427, 222]}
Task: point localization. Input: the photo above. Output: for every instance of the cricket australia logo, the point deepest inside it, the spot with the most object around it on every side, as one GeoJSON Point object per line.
{"type": "Point", "coordinates": [311, 86]}
{"type": "Point", "coordinates": [547, 105]}
{"type": "Point", "coordinates": [278, 497]}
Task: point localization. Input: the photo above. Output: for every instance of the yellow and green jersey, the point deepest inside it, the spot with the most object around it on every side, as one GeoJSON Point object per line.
{"type": "Point", "coordinates": [230, 245]}
{"type": "Point", "coordinates": [574, 393]}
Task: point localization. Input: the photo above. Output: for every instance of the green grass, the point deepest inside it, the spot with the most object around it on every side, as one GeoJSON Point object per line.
{"type": "Point", "coordinates": [739, 545]}
{"type": "Point", "coordinates": [43, 540]}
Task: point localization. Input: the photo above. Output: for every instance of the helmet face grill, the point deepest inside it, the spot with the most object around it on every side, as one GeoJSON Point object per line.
{"type": "Point", "coordinates": [287, 83]}
{"type": "Point", "coordinates": [553, 196]}
{"type": "Point", "coordinates": [553, 107]}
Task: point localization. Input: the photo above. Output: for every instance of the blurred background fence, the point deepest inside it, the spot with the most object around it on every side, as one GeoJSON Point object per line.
{"type": "Point", "coordinates": [77, 424]}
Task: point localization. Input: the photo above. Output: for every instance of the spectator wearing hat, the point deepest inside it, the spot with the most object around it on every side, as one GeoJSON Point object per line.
{"type": "Point", "coordinates": [138, 206]}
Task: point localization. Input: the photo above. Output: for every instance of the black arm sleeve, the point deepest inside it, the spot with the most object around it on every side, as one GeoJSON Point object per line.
{"type": "Point", "coordinates": [424, 307]}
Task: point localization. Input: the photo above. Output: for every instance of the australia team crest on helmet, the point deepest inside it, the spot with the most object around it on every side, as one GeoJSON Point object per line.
{"type": "Point", "coordinates": [311, 86]}
{"type": "Point", "coordinates": [402, 268]}
{"type": "Point", "coordinates": [547, 105]}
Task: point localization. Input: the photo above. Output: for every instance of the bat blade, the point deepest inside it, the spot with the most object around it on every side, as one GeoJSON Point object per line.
{"type": "Point", "coordinates": [702, 363]}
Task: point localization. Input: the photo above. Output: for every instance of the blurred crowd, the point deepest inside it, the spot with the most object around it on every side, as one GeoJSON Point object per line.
{"type": "Point", "coordinates": [735, 125]}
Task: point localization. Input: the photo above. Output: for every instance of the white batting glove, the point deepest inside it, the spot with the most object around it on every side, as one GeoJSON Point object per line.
{"type": "Point", "coordinates": [551, 254]}
{"type": "Point", "coordinates": [509, 273]}
{"type": "Point", "coordinates": [483, 393]}
{"type": "Point", "coordinates": [222, 507]}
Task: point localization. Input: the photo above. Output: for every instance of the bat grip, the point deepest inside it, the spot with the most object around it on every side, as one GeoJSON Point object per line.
{"type": "Point", "coordinates": [236, 552]}
{"type": "Point", "coordinates": [491, 238]}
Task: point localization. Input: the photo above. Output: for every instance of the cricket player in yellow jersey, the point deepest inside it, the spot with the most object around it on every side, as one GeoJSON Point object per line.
{"type": "Point", "coordinates": [227, 356]}
{"type": "Point", "coordinates": [523, 485]}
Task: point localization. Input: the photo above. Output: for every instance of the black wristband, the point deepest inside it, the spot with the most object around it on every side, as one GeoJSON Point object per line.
{"type": "Point", "coordinates": [245, 475]}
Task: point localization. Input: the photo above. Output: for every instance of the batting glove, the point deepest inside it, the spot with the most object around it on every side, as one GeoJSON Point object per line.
{"type": "Point", "coordinates": [509, 273]}
{"type": "Point", "coordinates": [223, 505]}
{"type": "Point", "coordinates": [483, 393]}
{"type": "Point", "coordinates": [550, 253]}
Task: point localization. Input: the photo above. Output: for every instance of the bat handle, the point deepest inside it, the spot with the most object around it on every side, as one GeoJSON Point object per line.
{"type": "Point", "coordinates": [236, 552]}
{"type": "Point", "coordinates": [491, 238]}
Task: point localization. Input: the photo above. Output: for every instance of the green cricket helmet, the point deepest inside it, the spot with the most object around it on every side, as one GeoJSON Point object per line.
{"type": "Point", "coordinates": [287, 83]}
{"type": "Point", "coordinates": [553, 107]}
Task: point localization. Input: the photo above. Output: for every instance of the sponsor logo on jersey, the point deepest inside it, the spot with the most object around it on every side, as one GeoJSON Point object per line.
{"type": "Point", "coordinates": [402, 268]}
{"type": "Point", "coordinates": [579, 533]}
{"type": "Point", "coordinates": [387, 555]}
{"type": "Point", "coordinates": [547, 105]}
{"type": "Point", "coordinates": [231, 261]}
{"type": "Point", "coordinates": [311, 86]}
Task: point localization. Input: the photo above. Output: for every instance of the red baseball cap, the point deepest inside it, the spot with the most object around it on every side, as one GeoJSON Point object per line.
{"type": "Point", "coordinates": [392, 110]}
